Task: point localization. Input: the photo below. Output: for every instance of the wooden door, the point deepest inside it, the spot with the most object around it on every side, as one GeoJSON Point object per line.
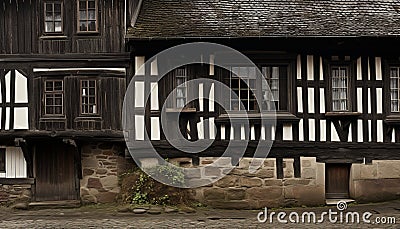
{"type": "Point", "coordinates": [55, 173]}
{"type": "Point", "coordinates": [337, 180]}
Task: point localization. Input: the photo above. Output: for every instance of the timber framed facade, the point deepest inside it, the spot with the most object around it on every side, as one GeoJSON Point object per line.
{"type": "Point", "coordinates": [65, 67]}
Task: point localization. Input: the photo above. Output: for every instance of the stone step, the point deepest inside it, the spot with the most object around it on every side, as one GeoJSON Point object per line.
{"type": "Point", "coordinates": [55, 204]}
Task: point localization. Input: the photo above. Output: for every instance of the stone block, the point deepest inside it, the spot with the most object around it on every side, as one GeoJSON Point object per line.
{"type": "Point", "coordinates": [148, 162]}
{"type": "Point", "coordinates": [308, 173]}
{"type": "Point", "coordinates": [223, 162]}
{"type": "Point", "coordinates": [227, 181]}
{"type": "Point", "coordinates": [212, 171]}
{"type": "Point", "coordinates": [87, 172]}
{"type": "Point", "coordinates": [305, 163]}
{"type": "Point", "coordinates": [269, 163]}
{"type": "Point", "coordinates": [193, 173]}
{"type": "Point", "coordinates": [94, 183]}
{"type": "Point", "coordinates": [214, 194]}
{"type": "Point", "coordinates": [273, 182]}
{"type": "Point", "coordinates": [109, 182]}
{"type": "Point", "coordinates": [263, 193]}
{"type": "Point", "coordinates": [299, 182]}
{"type": "Point", "coordinates": [106, 197]}
{"type": "Point", "coordinates": [262, 173]}
{"type": "Point", "coordinates": [388, 169]}
{"type": "Point", "coordinates": [250, 182]}
{"type": "Point", "coordinates": [88, 199]}
{"type": "Point", "coordinates": [101, 171]}
{"type": "Point", "coordinates": [368, 171]}
{"type": "Point", "coordinates": [376, 190]}
{"type": "Point", "coordinates": [235, 193]}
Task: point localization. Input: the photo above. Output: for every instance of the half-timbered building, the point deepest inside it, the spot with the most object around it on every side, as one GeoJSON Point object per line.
{"type": "Point", "coordinates": [62, 71]}
{"type": "Point", "coordinates": [332, 67]}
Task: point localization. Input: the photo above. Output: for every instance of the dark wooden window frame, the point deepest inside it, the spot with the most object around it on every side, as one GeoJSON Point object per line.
{"type": "Point", "coordinates": [392, 118]}
{"type": "Point", "coordinates": [78, 18]}
{"type": "Point", "coordinates": [290, 63]}
{"type": "Point", "coordinates": [53, 20]}
{"type": "Point", "coordinates": [45, 92]}
{"type": "Point", "coordinates": [81, 105]}
{"type": "Point", "coordinates": [287, 85]}
{"type": "Point", "coordinates": [176, 85]}
{"type": "Point", "coordinates": [231, 78]}
{"type": "Point", "coordinates": [2, 160]}
{"type": "Point", "coordinates": [351, 65]}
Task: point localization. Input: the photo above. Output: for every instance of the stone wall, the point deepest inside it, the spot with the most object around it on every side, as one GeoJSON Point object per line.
{"type": "Point", "coordinates": [17, 193]}
{"type": "Point", "coordinates": [241, 189]}
{"type": "Point", "coordinates": [101, 165]}
{"type": "Point", "coordinates": [379, 181]}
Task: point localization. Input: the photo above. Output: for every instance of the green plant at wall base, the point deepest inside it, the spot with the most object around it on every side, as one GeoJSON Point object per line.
{"type": "Point", "coordinates": [170, 174]}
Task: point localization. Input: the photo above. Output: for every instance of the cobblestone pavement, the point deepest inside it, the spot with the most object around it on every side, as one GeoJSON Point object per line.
{"type": "Point", "coordinates": [108, 217]}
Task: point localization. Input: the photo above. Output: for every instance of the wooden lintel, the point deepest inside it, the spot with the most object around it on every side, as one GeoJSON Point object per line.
{"type": "Point", "coordinates": [326, 150]}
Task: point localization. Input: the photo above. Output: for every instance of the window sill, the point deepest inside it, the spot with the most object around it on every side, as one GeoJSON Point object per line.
{"type": "Point", "coordinates": [88, 117]}
{"type": "Point", "coordinates": [279, 116]}
{"type": "Point", "coordinates": [339, 114]}
{"type": "Point", "coordinates": [51, 36]}
{"type": "Point", "coordinates": [392, 119]}
{"type": "Point", "coordinates": [180, 110]}
{"type": "Point", "coordinates": [51, 118]}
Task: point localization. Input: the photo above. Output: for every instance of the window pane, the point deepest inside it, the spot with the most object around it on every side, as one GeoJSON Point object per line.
{"type": "Point", "coordinates": [82, 15]}
{"type": "Point", "coordinates": [58, 85]}
{"type": "Point", "coordinates": [58, 27]}
{"type": "Point", "coordinates": [57, 7]}
{"type": "Point", "coordinates": [92, 4]}
{"type": "Point", "coordinates": [92, 15]}
{"type": "Point", "coordinates": [49, 7]}
{"type": "Point", "coordinates": [57, 16]}
{"type": "Point", "coordinates": [92, 26]}
{"type": "Point", "coordinates": [82, 5]}
{"type": "Point", "coordinates": [82, 26]}
{"type": "Point", "coordinates": [49, 27]}
{"type": "Point", "coordinates": [49, 16]}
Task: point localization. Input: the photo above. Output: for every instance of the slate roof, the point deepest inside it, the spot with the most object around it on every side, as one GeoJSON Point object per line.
{"type": "Point", "coordinates": [266, 18]}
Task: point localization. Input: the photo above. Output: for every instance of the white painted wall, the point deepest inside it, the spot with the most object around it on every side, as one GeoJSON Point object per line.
{"type": "Point", "coordinates": [15, 164]}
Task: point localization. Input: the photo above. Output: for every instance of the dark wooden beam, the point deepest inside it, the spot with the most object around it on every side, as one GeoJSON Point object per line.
{"type": "Point", "coordinates": [77, 156]}
{"type": "Point", "coordinates": [17, 181]}
{"type": "Point", "coordinates": [326, 150]}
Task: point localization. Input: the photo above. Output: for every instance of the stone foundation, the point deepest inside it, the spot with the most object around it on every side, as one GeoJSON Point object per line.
{"type": "Point", "coordinates": [101, 165]}
{"type": "Point", "coordinates": [17, 193]}
{"type": "Point", "coordinates": [241, 189]}
{"type": "Point", "coordinates": [379, 181]}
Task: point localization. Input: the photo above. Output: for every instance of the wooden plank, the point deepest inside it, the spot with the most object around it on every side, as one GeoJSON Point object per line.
{"type": "Point", "coordinates": [279, 168]}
